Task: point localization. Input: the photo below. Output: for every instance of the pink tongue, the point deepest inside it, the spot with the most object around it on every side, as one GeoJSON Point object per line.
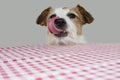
{"type": "Point", "coordinates": [52, 28]}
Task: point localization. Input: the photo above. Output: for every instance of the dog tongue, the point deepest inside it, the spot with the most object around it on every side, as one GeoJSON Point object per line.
{"type": "Point", "coordinates": [52, 28]}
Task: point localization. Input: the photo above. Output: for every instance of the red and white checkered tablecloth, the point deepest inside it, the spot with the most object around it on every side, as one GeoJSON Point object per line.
{"type": "Point", "coordinates": [75, 62]}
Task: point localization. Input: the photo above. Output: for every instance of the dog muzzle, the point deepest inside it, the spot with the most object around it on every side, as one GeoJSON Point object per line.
{"type": "Point", "coordinates": [52, 27]}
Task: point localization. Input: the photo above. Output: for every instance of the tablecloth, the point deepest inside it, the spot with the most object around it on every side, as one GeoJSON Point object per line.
{"type": "Point", "coordinates": [73, 62]}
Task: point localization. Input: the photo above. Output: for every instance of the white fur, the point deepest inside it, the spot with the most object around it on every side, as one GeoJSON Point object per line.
{"type": "Point", "coordinates": [72, 37]}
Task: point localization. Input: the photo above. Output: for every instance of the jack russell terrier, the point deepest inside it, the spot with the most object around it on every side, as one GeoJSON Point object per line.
{"type": "Point", "coordinates": [65, 25]}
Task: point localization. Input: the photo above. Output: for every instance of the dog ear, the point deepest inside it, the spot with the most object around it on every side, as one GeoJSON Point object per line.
{"type": "Point", "coordinates": [41, 20]}
{"type": "Point", "coordinates": [87, 17]}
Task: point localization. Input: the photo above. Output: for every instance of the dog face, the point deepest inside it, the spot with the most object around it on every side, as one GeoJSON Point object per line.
{"type": "Point", "coordinates": [64, 24]}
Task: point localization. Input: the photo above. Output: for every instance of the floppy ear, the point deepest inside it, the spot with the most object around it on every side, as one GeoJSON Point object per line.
{"type": "Point", "coordinates": [41, 20]}
{"type": "Point", "coordinates": [87, 17]}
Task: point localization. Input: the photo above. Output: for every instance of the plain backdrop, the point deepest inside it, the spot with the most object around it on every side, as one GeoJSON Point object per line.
{"type": "Point", "coordinates": [18, 21]}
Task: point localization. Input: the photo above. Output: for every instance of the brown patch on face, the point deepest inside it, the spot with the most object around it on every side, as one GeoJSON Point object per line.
{"type": "Point", "coordinates": [78, 20]}
{"type": "Point", "coordinates": [82, 17]}
{"type": "Point", "coordinates": [79, 27]}
{"type": "Point", "coordinates": [42, 19]}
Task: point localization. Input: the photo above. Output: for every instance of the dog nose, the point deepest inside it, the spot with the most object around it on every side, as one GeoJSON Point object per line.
{"type": "Point", "coordinates": [60, 23]}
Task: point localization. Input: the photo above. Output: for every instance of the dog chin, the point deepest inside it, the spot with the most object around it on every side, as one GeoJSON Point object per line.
{"type": "Point", "coordinates": [62, 34]}
{"type": "Point", "coordinates": [61, 39]}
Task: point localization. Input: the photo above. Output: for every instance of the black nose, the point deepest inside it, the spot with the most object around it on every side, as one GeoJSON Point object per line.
{"type": "Point", "coordinates": [60, 23]}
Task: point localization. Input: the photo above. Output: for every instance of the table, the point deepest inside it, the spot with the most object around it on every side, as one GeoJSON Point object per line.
{"type": "Point", "coordinates": [73, 62]}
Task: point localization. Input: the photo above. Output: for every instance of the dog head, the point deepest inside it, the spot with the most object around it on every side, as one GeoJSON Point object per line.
{"type": "Point", "coordinates": [64, 23]}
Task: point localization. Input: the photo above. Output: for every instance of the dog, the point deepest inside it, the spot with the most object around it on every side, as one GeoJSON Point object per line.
{"type": "Point", "coordinates": [65, 25]}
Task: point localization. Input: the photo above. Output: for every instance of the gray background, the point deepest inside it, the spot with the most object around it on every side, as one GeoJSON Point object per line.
{"type": "Point", "coordinates": [18, 17]}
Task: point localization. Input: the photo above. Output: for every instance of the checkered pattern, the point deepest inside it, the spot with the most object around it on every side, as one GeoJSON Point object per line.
{"type": "Point", "coordinates": [75, 62]}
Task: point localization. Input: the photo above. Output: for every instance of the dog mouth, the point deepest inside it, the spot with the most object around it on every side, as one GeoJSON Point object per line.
{"type": "Point", "coordinates": [57, 26]}
{"type": "Point", "coordinates": [62, 34]}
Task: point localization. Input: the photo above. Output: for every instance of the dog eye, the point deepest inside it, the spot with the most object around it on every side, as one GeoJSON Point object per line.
{"type": "Point", "coordinates": [54, 15]}
{"type": "Point", "coordinates": [71, 15]}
